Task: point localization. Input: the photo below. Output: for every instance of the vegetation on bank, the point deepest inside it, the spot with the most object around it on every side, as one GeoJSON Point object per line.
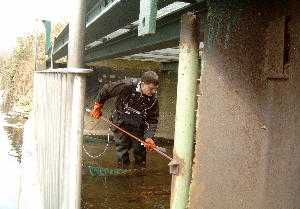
{"type": "Point", "coordinates": [17, 68]}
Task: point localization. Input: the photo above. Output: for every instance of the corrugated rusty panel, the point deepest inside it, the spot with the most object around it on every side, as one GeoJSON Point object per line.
{"type": "Point", "coordinates": [247, 152]}
{"type": "Point", "coordinates": [275, 48]}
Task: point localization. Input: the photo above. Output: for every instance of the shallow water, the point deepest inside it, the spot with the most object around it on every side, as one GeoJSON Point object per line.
{"type": "Point", "coordinates": [10, 158]}
{"type": "Point", "coordinates": [144, 188]}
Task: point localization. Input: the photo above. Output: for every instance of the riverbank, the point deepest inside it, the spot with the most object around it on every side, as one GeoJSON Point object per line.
{"type": "Point", "coordinates": [20, 111]}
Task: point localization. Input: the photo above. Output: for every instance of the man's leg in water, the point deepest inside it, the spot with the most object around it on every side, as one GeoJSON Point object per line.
{"type": "Point", "coordinates": [123, 145]}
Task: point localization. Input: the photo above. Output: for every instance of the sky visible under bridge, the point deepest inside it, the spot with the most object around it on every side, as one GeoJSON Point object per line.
{"type": "Point", "coordinates": [20, 17]}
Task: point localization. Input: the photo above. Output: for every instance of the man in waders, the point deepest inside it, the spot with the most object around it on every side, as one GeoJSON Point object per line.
{"type": "Point", "coordinates": [136, 111]}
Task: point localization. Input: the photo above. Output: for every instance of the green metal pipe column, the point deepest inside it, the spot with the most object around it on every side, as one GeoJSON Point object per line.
{"type": "Point", "coordinates": [185, 108]}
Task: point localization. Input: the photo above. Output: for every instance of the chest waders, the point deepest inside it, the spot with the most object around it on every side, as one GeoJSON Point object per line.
{"type": "Point", "coordinates": [133, 118]}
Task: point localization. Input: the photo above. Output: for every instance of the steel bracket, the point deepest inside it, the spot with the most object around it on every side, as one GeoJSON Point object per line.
{"type": "Point", "coordinates": [147, 17]}
{"type": "Point", "coordinates": [174, 167]}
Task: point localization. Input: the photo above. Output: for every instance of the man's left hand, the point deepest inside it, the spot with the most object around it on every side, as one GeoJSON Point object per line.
{"type": "Point", "coordinates": [150, 142]}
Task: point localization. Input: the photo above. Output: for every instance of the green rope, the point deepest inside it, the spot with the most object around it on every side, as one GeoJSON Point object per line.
{"type": "Point", "coordinates": [99, 170]}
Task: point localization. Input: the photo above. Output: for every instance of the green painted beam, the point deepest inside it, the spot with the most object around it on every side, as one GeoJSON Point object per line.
{"type": "Point", "coordinates": [173, 65]}
{"type": "Point", "coordinates": [169, 66]}
{"type": "Point", "coordinates": [100, 24]}
{"type": "Point", "coordinates": [167, 35]}
{"type": "Point", "coordinates": [47, 25]}
{"type": "Point", "coordinates": [147, 17]}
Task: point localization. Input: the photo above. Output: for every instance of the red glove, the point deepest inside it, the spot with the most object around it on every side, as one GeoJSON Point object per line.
{"type": "Point", "coordinates": [96, 112]}
{"type": "Point", "coordinates": [150, 142]}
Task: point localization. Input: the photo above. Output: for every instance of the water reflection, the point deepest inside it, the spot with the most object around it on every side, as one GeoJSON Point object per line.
{"type": "Point", "coordinates": [10, 158]}
{"type": "Point", "coordinates": [147, 188]}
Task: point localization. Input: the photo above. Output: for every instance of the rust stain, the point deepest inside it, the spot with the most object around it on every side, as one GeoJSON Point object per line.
{"type": "Point", "coordinates": [180, 161]}
{"type": "Point", "coordinates": [190, 29]}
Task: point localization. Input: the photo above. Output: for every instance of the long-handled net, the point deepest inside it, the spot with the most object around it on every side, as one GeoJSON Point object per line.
{"type": "Point", "coordinates": [103, 171]}
{"type": "Point", "coordinates": [100, 171]}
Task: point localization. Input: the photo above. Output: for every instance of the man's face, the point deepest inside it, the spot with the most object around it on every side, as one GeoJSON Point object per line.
{"type": "Point", "coordinates": [148, 89]}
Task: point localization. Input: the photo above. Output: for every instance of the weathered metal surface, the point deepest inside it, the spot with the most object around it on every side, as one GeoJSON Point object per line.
{"type": "Point", "coordinates": [102, 20]}
{"type": "Point", "coordinates": [147, 17]}
{"type": "Point", "coordinates": [185, 107]}
{"type": "Point", "coordinates": [77, 35]}
{"type": "Point", "coordinates": [166, 36]}
{"type": "Point", "coordinates": [174, 167]}
{"type": "Point", "coordinates": [247, 152]}
{"type": "Point", "coordinates": [58, 128]}
{"type": "Point", "coordinates": [276, 48]}
{"type": "Point", "coordinates": [47, 25]}
{"type": "Point", "coordinates": [103, 23]}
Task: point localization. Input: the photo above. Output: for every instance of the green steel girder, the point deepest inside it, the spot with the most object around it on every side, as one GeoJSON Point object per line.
{"type": "Point", "coordinates": [130, 43]}
{"type": "Point", "coordinates": [120, 14]}
{"type": "Point", "coordinates": [101, 22]}
{"type": "Point", "coordinates": [47, 25]}
{"type": "Point", "coordinates": [167, 35]}
{"type": "Point", "coordinates": [170, 66]}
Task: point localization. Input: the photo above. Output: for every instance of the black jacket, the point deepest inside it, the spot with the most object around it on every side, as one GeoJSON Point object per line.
{"type": "Point", "coordinates": [128, 91]}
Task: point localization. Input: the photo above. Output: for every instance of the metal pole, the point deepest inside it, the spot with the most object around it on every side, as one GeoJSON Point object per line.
{"type": "Point", "coordinates": [76, 46]}
{"type": "Point", "coordinates": [185, 108]}
{"type": "Point", "coordinates": [77, 34]}
{"type": "Point", "coordinates": [76, 141]}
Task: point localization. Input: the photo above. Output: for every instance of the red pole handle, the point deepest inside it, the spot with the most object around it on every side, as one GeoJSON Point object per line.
{"type": "Point", "coordinates": [159, 152]}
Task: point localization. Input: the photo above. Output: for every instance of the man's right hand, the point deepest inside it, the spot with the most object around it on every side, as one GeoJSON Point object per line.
{"type": "Point", "coordinates": [97, 112]}
{"type": "Point", "coordinates": [150, 144]}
